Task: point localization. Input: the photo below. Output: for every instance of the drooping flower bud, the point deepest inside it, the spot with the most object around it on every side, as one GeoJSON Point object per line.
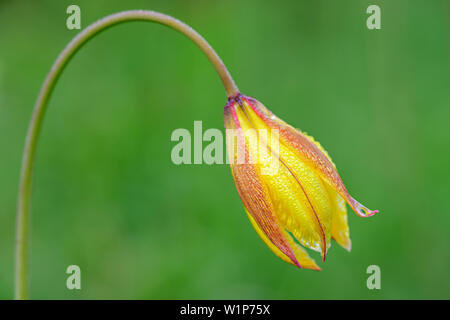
{"type": "Point", "coordinates": [288, 184]}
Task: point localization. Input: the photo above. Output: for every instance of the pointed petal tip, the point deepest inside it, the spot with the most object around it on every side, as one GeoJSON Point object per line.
{"type": "Point", "coordinates": [313, 266]}
{"type": "Point", "coordinates": [368, 212]}
{"type": "Point", "coordinates": [349, 246]}
{"type": "Point", "coordinates": [345, 243]}
{"type": "Point", "coordinates": [295, 262]}
{"type": "Point", "coordinates": [361, 210]}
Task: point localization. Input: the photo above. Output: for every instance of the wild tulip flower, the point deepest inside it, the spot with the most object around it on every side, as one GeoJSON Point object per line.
{"type": "Point", "coordinates": [291, 190]}
{"type": "Point", "coordinates": [302, 202]}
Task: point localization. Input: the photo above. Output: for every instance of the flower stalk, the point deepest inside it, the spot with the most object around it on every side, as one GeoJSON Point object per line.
{"type": "Point", "coordinates": [23, 209]}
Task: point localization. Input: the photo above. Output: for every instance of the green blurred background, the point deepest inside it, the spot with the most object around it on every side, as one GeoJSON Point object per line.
{"type": "Point", "coordinates": [108, 198]}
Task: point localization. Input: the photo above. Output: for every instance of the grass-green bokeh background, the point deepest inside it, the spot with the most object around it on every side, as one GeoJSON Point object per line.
{"type": "Point", "coordinates": [108, 198]}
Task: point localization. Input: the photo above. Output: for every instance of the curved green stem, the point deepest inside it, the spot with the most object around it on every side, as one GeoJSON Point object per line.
{"type": "Point", "coordinates": [23, 210]}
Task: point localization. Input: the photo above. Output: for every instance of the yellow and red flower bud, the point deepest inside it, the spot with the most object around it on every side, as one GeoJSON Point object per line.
{"type": "Point", "coordinates": [288, 184]}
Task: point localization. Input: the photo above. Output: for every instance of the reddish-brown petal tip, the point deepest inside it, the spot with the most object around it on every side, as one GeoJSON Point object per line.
{"type": "Point", "coordinates": [361, 210]}
{"type": "Point", "coordinates": [296, 263]}
{"type": "Point", "coordinates": [316, 268]}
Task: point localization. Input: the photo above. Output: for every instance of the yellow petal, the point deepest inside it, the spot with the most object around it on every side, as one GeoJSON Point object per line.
{"type": "Point", "coordinates": [253, 192]}
{"type": "Point", "coordinates": [256, 194]}
{"type": "Point", "coordinates": [311, 154]}
{"type": "Point", "coordinates": [339, 231]}
{"type": "Point", "coordinates": [301, 200]}
{"type": "Point", "coordinates": [302, 256]}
